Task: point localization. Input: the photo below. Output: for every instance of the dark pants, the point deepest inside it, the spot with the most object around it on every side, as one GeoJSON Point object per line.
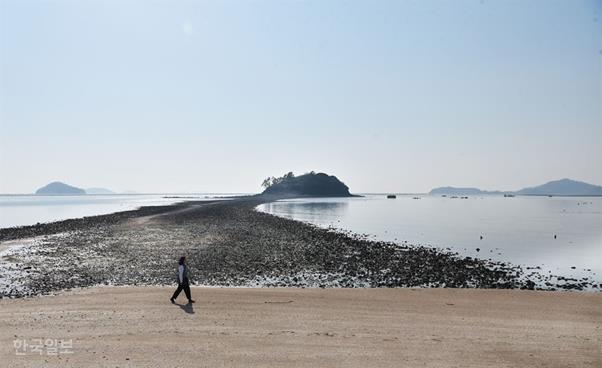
{"type": "Point", "coordinates": [185, 285]}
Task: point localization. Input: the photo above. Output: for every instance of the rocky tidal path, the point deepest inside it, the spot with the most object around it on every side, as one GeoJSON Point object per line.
{"type": "Point", "coordinates": [228, 243]}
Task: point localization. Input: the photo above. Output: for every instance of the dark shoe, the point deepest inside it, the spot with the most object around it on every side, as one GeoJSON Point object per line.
{"type": "Point", "coordinates": [172, 301]}
{"type": "Point", "coordinates": [191, 301]}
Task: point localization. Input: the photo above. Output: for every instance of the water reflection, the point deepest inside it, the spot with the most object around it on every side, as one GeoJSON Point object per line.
{"type": "Point", "coordinates": [314, 212]}
{"type": "Point", "coordinates": [562, 235]}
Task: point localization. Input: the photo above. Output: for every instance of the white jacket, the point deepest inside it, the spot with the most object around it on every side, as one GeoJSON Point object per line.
{"type": "Point", "coordinates": [181, 273]}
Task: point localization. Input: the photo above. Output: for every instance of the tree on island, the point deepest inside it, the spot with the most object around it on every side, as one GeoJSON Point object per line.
{"type": "Point", "coordinates": [310, 184]}
{"type": "Point", "coordinates": [269, 181]}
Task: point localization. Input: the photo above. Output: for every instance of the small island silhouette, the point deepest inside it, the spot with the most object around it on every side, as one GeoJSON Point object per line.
{"type": "Point", "coordinates": [307, 185]}
{"type": "Point", "coordinates": [59, 188]}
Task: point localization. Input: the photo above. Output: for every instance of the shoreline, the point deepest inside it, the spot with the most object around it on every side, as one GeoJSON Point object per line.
{"type": "Point", "coordinates": [229, 243]}
{"type": "Point", "coordinates": [307, 328]}
{"type": "Point", "coordinates": [78, 223]}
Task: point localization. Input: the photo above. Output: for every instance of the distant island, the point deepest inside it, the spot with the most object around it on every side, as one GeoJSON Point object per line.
{"type": "Point", "coordinates": [307, 185]}
{"type": "Point", "coordinates": [59, 188]}
{"type": "Point", "coordinates": [462, 191]}
{"type": "Point", "coordinates": [99, 191]}
{"type": "Point", "coordinates": [563, 187]}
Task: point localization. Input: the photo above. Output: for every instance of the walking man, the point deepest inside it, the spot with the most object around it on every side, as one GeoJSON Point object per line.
{"type": "Point", "coordinates": [183, 283]}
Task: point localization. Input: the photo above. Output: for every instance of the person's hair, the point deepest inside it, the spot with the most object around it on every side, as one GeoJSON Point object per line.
{"type": "Point", "coordinates": [181, 261]}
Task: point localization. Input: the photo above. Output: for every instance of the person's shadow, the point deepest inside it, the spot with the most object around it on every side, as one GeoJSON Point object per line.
{"type": "Point", "coordinates": [186, 307]}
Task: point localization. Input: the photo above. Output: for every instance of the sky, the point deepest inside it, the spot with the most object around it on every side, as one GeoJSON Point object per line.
{"type": "Point", "coordinates": [214, 96]}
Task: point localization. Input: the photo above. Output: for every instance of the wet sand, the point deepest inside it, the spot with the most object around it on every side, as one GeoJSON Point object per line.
{"type": "Point", "coordinates": [239, 327]}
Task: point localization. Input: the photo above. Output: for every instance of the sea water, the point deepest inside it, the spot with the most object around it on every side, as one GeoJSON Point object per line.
{"type": "Point", "coordinates": [19, 210]}
{"type": "Point", "coordinates": [553, 233]}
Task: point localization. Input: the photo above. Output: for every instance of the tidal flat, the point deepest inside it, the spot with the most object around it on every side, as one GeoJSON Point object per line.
{"type": "Point", "coordinates": [230, 243]}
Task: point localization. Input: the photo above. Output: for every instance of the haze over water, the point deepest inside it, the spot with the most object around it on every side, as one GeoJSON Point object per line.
{"type": "Point", "coordinates": [20, 210]}
{"type": "Point", "coordinates": [519, 230]}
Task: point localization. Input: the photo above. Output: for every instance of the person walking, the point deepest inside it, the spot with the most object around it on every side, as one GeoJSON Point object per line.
{"type": "Point", "coordinates": [183, 283]}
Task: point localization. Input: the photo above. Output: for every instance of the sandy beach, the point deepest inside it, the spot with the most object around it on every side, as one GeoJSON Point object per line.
{"type": "Point", "coordinates": [240, 327]}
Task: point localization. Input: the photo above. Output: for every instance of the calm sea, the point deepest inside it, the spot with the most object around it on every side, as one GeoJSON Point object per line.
{"type": "Point", "coordinates": [18, 210]}
{"type": "Point", "coordinates": [519, 230]}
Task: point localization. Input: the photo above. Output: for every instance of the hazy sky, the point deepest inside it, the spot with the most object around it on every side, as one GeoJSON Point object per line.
{"type": "Point", "coordinates": [184, 96]}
